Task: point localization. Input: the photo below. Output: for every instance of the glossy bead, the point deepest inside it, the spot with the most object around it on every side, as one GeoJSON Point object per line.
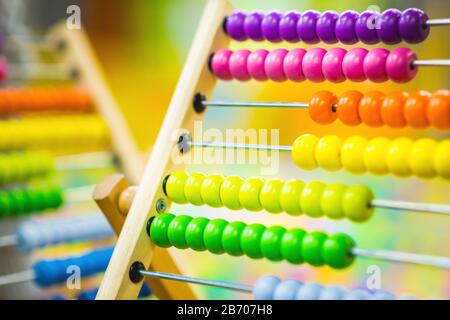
{"type": "Point", "coordinates": [366, 27]}
{"type": "Point", "coordinates": [312, 248]}
{"type": "Point", "coordinates": [292, 65]}
{"type": "Point", "coordinates": [312, 64]}
{"type": "Point", "coordinates": [381, 295]}
{"type": "Point", "coordinates": [273, 65]}
{"type": "Point", "coordinates": [252, 25]}
{"type": "Point", "coordinates": [310, 199]}
{"type": "Point", "coordinates": [441, 159]}
{"type": "Point", "coordinates": [303, 151]}
{"type": "Point", "coordinates": [4, 69]}
{"type": "Point", "coordinates": [370, 108]}
{"type": "Point", "coordinates": [229, 192]}
{"type": "Point", "coordinates": [194, 234]}
{"type": "Point", "coordinates": [220, 64]}
{"type": "Point", "coordinates": [288, 26]}
{"type": "Point", "coordinates": [175, 187]}
{"type": "Point", "coordinates": [235, 26]}
{"type": "Point", "coordinates": [271, 243]}
{"type": "Point", "coordinates": [249, 194]}
{"type": "Point", "coordinates": [309, 291]}
{"type": "Point", "coordinates": [397, 157]}
{"type": "Point", "coordinates": [306, 27]}
{"type": "Point", "coordinates": [421, 158]}
{"type": "Point", "coordinates": [388, 26]}
{"type": "Point", "coordinates": [286, 290]}
{"type": "Point", "coordinates": [291, 245]}
{"type": "Point", "coordinates": [412, 25]}
{"type": "Point", "coordinates": [356, 203]}
{"type": "Point", "coordinates": [320, 107]}
{"type": "Point", "coordinates": [212, 236]}
{"type": "Point", "coordinates": [238, 65]}
{"type": "Point", "coordinates": [357, 295]}
{"type": "Point", "coordinates": [331, 200]}
{"type": "Point", "coordinates": [415, 109]}
{"type": "Point", "coordinates": [392, 113]}
{"type": "Point", "coordinates": [210, 190]}
{"type": "Point", "coordinates": [399, 65]}
{"type": "Point", "coordinates": [326, 25]}
{"type": "Point", "coordinates": [328, 153]}
{"type": "Point", "coordinates": [270, 26]}
{"type": "Point", "coordinates": [332, 293]}
{"type": "Point", "coordinates": [255, 64]}
{"type": "Point", "coordinates": [332, 65]}
{"type": "Point", "coordinates": [158, 230]}
{"type": "Point", "coordinates": [353, 64]}
{"type": "Point", "coordinates": [177, 230]}
{"type": "Point", "coordinates": [352, 154]}
{"type": "Point", "coordinates": [251, 239]}
{"type": "Point", "coordinates": [231, 238]}
{"type": "Point", "coordinates": [374, 65]}
{"type": "Point", "coordinates": [265, 287]}
{"type": "Point", "coordinates": [192, 188]}
{"type": "Point", "coordinates": [269, 195]}
{"type": "Point", "coordinates": [290, 197]}
{"type": "Point", "coordinates": [375, 155]}
{"type": "Point", "coordinates": [438, 111]}
{"type": "Point", "coordinates": [347, 107]}
{"type": "Point", "coordinates": [345, 27]}
{"type": "Point", "coordinates": [336, 251]}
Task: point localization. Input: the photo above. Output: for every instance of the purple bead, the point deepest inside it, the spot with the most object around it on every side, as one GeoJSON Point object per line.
{"type": "Point", "coordinates": [252, 26]}
{"type": "Point", "coordinates": [288, 26]}
{"type": "Point", "coordinates": [235, 26]}
{"type": "Point", "coordinates": [270, 26]}
{"type": "Point", "coordinates": [325, 27]}
{"type": "Point", "coordinates": [306, 27]}
{"type": "Point", "coordinates": [345, 27]}
{"type": "Point", "coordinates": [412, 27]}
{"type": "Point", "coordinates": [388, 26]}
{"type": "Point", "coordinates": [366, 27]}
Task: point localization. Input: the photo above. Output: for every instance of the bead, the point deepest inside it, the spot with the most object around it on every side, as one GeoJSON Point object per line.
{"type": "Point", "coordinates": [264, 288]}
{"type": "Point", "coordinates": [375, 155]}
{"type": "Point", "coordinates": [397, 157]}
{"type": "Point", "coordinates": [290, 197]}
{"type": "Point", "coordinates": [269, 195]}
{"type": "Point", "coordinates": [370, 109]}
{"type": "Point", "coordinates": [220, 64]}
{"type": "Point", "coordinates": [309, 291]}
{"type": "Point", "coordinates": [356, 203]}
{"type": "Point", "coordinates": [238, 65]}
{"type": "Point", "coordinates": [332, 65]}
{"type": "Point", "coordinates": [273, 65]}
{"type": "Point", "coordinates": [249, 194]}
{"type": "Point", "coordinates": [291, 245]}
{"type": "Point", "coordinates": [270, 26]}
{"type": "Point", "coordinates": [271, 243]}
{"type": "Point", "coordinates": [412, 25]}
{"type": "Point", "coordinates": [292, 65]}
{"type": "Point", "coordinates": [331, 200]}
{"type": "Point", "coordinates": [235, 26]}
{"type": "Point", "coordinates": [175, 187]}
{"type": "Point", "coordinates": [328, 153]}
{"type": "Point", "coordinates": [345, 27]}
{"type": "Point", "coordinates": [177, 230]}
{"type": "Point", "coordinates": [357, 295]}
{"type": "Point", "coordinates": [158, 230]}
{"type": "Point", "coordinates": [306, 27]}
{"type": "Point", "coordinates": [415, 109]}
{"type": "Point", "coordinates": [312, 64]}
{"type": "Point", "coordinates": [194, 234]}
{"type": "Point", "coordinates": [312, 247]}
{"type": "Point", "coordinates": [347, 107]}
{"type": "Point", "coordinates": [421, 158]}
{"type": "Point", "coordinates": [310, 199]}
{"type": "Point", "coordinates": [255, 64]}
{"type": "Point", "coordinates": [332, 293]}
{"type": "Point", "coordinates": [286, 290]}
{"type": "Point", "coordinates": [399, 65]}
{"type": "Point", "coordinates": [374, 65]}
{"type": "Point", "coordinates": [441, 159]}
{"type": "Point", "coordinates": [366, 27]}
{"type": "Point", "coordinates": [231, 238]}
{"type": "Point", "coordinates": [212, 236]}
{"type": "Point", "coordinates": [288, 26]}
{"type": "Point", "coordinates": [336, 251]}
{"type": "Point", "coordinates": [388, 26]}
{"type": "Point", "coordinates": [392, 113]}
{"type": "Point", "coordinates": [4, 69]}
{"type": "Point", "coordinates": [192, 188]}
{"type": "Point", "coordinates": [303, 151]}
{"type": "Point", "coordinates": [210, 190]}
{"type": "Point", "coordinates": [352, 154]}
{"type": "Point", "coordinates": [382, 295]}
{"type": "Point", "coordinates": [326, 25]}
{"type": "Point", "coordinates": [438, 111]}
{"type": "Point", "coordinates": [320, 107]}
{"type": "Point", "coordinates": [229, 192]}
{"type": "Point", "coordinates": [353, 64]}
{"type": "Point", "coordinates": [251, 239]}
{"type": "Point", "coordinates": [252, 26]}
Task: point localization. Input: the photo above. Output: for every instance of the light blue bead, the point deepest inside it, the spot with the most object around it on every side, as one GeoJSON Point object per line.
{"type": "Point", "coordinates": [309, 291]}
{"type": "Point", "coordinates": [407, 298]}
{"type": "Point", "coordinates": [333, 293]}
{"type": "Point", "coordinates": [382, 295]}
{"type": "Point", "coordinates": [265, 287]}
{"type": "Point", "coordinates": [286, 290]}
{"type": "Point", "coordinates": [357, 295]}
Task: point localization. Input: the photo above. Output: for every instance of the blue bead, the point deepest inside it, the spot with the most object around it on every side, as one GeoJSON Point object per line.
{"type": "Point", "coordinates": [286, 290]}
{"type": "Point", "coordinates": [265, 287]}
{"type": "Point", "coordinates": [382, 295]}
{"type": "Point", "coordinates": [309, 291]}
{"type": "Point", "coordinates": [333, 293]}
{"type": "Point", "coordinates": [357, 295]}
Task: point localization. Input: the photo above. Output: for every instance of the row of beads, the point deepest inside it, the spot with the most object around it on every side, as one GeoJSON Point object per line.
{"type": "Point", "coordinates": [16, 202]}
{"type": "Point", "coordinates": [425, 158]}
{"type": "Point", "coordinates": [397, 109]}
{"type": "Point", "coordinates": [20, 167]}
{"type": "Point", "coordinates": [349, 27]}
{"type": "Point", "coordinates": [254, 240]}
{"type": "Point", "coordinates": [53, 132]}
{"type": "Point", "coordinates": [316, 65]}
{"type": "Point", "coordinates": [18, 100]}
{"type": "Point", "coordinates": [315, 199]}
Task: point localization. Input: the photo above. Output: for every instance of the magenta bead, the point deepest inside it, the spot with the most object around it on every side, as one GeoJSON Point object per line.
{"type": "Point", "coordinates": [399, 65]}
{"type": "Point", "coordinates": [375, 65]}
{"type": "Point", "coordinates": [312, 64]}
{"type": "Point", "coordinates": [274, 65]}
{"type": "Point", "coordinates": [292, 65]}
{"type": "Point", "coordinates": [332, 65]}
{"type": "Point", "coordinates": [353, 64]}
{"type": "Point", "coordinates": [4, 70]}
{"type": "Point", "coordinates": [220, 64]}
{"type": "Point", "coordinates": [255, 64]}
{"type": "Point", "coordinates": [238, 65]}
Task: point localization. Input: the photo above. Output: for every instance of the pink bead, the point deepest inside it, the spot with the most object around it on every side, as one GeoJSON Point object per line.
{"type": "Point", "coordinates": [292, 65]}
{"type": "Point", "coordinates": [274, 65]}
{"type": "Point", "coordinates": [332, 65]}
{"type": "Point", "coordinates": [4, 71]}
{"type": "Point", "coordinates": [312, 64]}
{"type": "Point", "coordinates": [220, 64]}
{"type": "Point", "coordinates": [238, 65]}
{"type": "Point", "coordinates": [375, 65]}
{"type": "Point", "coordinates": [255, 64]}
{"type": "Point", "coordinates": [399, 65]}
{"type": "Point", "coordinates": [353, 64]}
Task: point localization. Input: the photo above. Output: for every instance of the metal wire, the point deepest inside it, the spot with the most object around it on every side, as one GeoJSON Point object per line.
{"type": "Point", "coordinates": [7, 241]}
{"type": "Point", "coordinates": [438, 22]}
{"type": "Point", "coordinates": [248, 104]}
{"type": "Point", "coordinates": [432, 63]}
{"type": "Point", "coordinates": [17, 277]}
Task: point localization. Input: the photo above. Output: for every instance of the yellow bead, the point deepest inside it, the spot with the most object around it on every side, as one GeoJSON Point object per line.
{"type": "Point", "coordinates": [270, 195]}
{"type": "Point", "coordinates": [290, 196]}
{"type": "Point", "coordinates": [210, 190]}
{"type": "Point", "coordinates": [192, 188]}
{"type": "Point", "coordinates": [352, 154]}
{"type": "Point", "coordinates": [397, 157]}
{"type": "Point", "coordinates": [175, 187]}
{"type": "Point", "coordinates": [229, 192]}
{"type": "Point", "coordinates": [331, 201]}
{"type": "Point", "coordinates": [441, 159]}
{"type": "Point", "coordinates": [303, 151]}
{"type": "Point", "coordinates": [328, 153]}
{"type": "Point", "coordinates": [421, 158]}
{"type": "Point", "coordinates": [249, 194]}
{"type": "Point", "coordinates": [375, 156]}
{"type": "Point", "coordinates": [310, 200]}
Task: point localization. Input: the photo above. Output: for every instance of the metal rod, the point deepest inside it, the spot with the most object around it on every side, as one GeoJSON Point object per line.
{"type": "Point", "coordinates": [411, 206]}
{"type": "Point", "coordinates": [438, 22]}
{"type": "Point", "coordinates": [238, 104]}
{"type": "Point", "coordinates": [79, 194]}
{"type": "Point", "coordinates": [44, 71]}
{"type": "Point", "coordinates": [17, 277]}
{"type": "Point", "coordinates": [85, 161]}
{"type": "Point", "coordinates": [9, 240]}
{"type": "Point", "coordinates": [226, 145]}
{"type": "Point", "coordinates": [432, 63]}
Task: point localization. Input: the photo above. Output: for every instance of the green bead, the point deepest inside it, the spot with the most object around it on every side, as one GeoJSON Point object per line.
{"type": "Point", "coordinates": [17, 202]}
{"type": "Point", "coordinates": [231, 238]}
{"type": "Point", "coordinates": [270, 195]}
{"type": "Point", "coordinates": [5, 204]}
{"type": "Point", "coordinates": [54, 197]}
{"type": "Point", "coordinates": [249, 194]}
{"type": "Point", "coordinates": [271, 243]}
{"type": "Point", "coordinates": [336, 251]}
{"type": "Point", "coordinates": [291, 245]}
{"type": "Point", "coordinates": [251, 239]}
{"type": "Point", "coordinates": [229, 192]}
{"type": "Point", "coordinates": [356, 203]}
{"type": "Point", "coordinates": [290, 197]}
{"type": "Point", "coordinates": [192, 188]}
{"type": "Point", "coordinates": [158, 230]}
{"type": "Point", "coordinates": [194, 234]}
{"type": "Point", "coordinates": [175, 187]}
{"type": "Point", "coordinates": [38, 200]}
{"type": "Point", "coordinates": [312, 248]}
{"type": "Point", "coordinates": [212, 236]}
{"type": "Point", "coordinates": [331, 201]}
{"type": "Point", "coordinates": [310, 199]}
{"type": "Point", "coordinates": [177, 231]}
{"type": "Point", "coordinates": [211, 190]}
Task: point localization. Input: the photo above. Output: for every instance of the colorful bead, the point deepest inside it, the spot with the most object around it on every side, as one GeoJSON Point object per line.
{"type": "Point", "coordinates": [303, 151]}
{"type": "Point", "coordinates": [288, 25]}
{"type": "Point", "coordinates": [415, 109]}
{"type": "Point", "coordinates": [326, 25]}
{"type": "Point", "coordinates": [357, 295]}
{"type": "Point", "coordinates": [332, 293]}
{"type": "Point", "coordinates": [312, 248]}
{"type": "Point", "coordinates": [332, 65]}
{"type": "Point", "coordinates": [353, 64]}
{"type": "Point", "coordinates": [210, 190]}
{"type": "Point", "coordinates": [399, 65]}
{"type": "Point", "coordinates": [291, 245]}
{"type": "Point", "coordinates": [374, 65]}
{"type": "Point", "coordinates": [255, 64]}
{"type": "Point", "coordinates": [290, 197]}
{"type": "Point", "coordinates": [347, 107]}
{"type": "Point", "coordinates": [292, 65]}
{"type": "Point", "coordinates": [352, 154]}
{"type": "Point", "coordinates": [366, 27]}
{"type": "Point", "coordinates": [309, 291]}
{"type": "Point", "coordinates": [370, 108]}
{"type": "Point", "coordinates": [441, 159]}
{"type": "Point", "coordinates": [388, 26]}
{"type": "Point", "coordinates": [159, 228]}
{"type": "Point", "coordinates": [310, 199]}
{"type": "Point", "coordinates": [265, 287]}
{"type": "Point", "coordinates": [220, 64]}
{"type": "Point", "coordinates": [192, 188]}
{"type": "Point", "coordinates": [194, 234]}
{"type": "Point", "coordinates": [271, 243]}
{"type": "Point", "coordinates": [231, 238]}
{"type": "Point", "coordinates": [269, 195]}
{"type": "Point", "coordinates": [438, 111]}
{"type": "Point", "coordinates": [328, 152]}
{"type": "Point", "coordinates": [336, 251]}
{"type": "Point", "coordinates": [331, 200]}
{"type": "Point", "coordinates": [273, 65]}
{"type": "Point", "coordinates": [421, 158]}
{"type": "Point", "coordinates": [177, 230]}
{"type": "Point", "coordinates": [375, 155]}
{"type": "Point", "coordinates": [252, 26]}
{"type": "Point", "coordinates": [392, 113]}
{"type": "Point", "coordinates": [212, 236]}
{"type": "Point", "coordinates": [249, 194]}
{"type": "Point", "coordinates": [235, 26]}
{"type": "Point", "coordinates": [397, 157]}
{"type": "Point", "coordinates": [238, 65]}
{"type": "Point", "coordinates": [356, 203]}
{"type": "Point", "coordinates": [270, 26]}
{"type": "Point", "coordinates": [312, 64]}
{"type": "Point", "coordinates": [320, 107]}
{"type": "Point", "coordinates": [229, 192]}
{"type": "Point", "coordinates": [306, 27]}
{"type": "Point", "coordinates": [412, 25]}
{"type": "Point", "coordinates": [251, 239]}
{"type": "Point", "coordinates": [286, 290]}
{"type": "Point", "coordinates": [345, 27]}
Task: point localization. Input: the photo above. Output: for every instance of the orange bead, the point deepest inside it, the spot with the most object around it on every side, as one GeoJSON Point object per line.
{"type": "Point", "coordinates": [392, 112]}
{"type": "Point", "coordinates": [415, 109]}
{"type": "Point", "coordinates": [370, 108]}
{"type": "Point", "coordinates": [438, 111]}
{"type": "Point", "coordinates": [347, 107]}
{"type": "Point", "coordinates": [321, 107]}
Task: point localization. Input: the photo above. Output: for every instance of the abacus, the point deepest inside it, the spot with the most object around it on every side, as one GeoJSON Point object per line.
{"type": "Point", "coordinates": [148, 226]}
